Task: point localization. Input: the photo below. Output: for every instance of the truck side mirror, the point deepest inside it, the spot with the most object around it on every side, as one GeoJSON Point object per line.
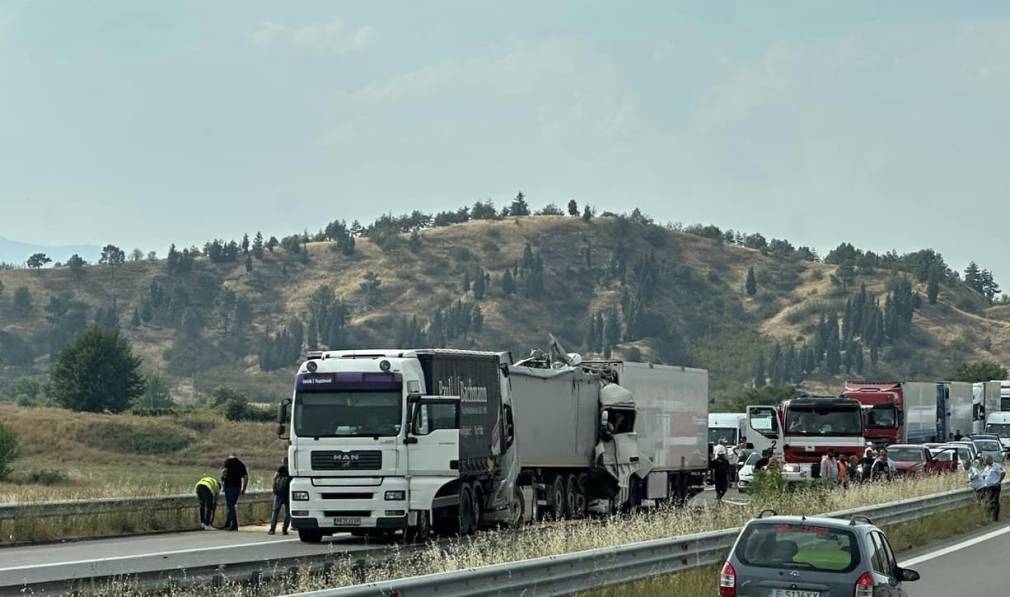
{"type": "Point", "coordinates": [282, 418]}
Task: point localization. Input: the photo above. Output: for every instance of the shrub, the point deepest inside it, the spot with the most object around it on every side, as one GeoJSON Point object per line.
{"type": "Point", "coordinates": [43, 476]}
{"type": "Point", "coordinates": [128, 439]}
{"type": "Point", "coordinates": [9, 450]}
{"type": "Point", "coordinates": [239, 409]}
{"type": "Point", "coordinates": [199, 425]}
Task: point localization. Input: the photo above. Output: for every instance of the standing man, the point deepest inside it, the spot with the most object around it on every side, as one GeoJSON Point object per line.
{"type": "Point", "coordinates": [993, 474]}
{"type": "Point", "coordinates": [957, 435]}
{"type": "Point", "coordinates": [720, 472]}
{"type": "Point", "coordinates": [207, 490]}
{"type": "Point", "coordinates": [829, 469]}
{"type": "Point", "coordinates": [235, 479]}
{"type": "Point", "coordinates": [282, 497]}
{"type": "Point", "coordinates": [976, 481]}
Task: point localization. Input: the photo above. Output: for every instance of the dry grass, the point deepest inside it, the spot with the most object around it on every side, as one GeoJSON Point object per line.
{"type": "Point", "coordinates": [97, 455]}
{"type": "Point", "coordinates": [552, 539]}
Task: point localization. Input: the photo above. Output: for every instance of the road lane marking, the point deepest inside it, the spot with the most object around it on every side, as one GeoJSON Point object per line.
{"type": "Point", "coordinates": [951, 549]}
{"type": "Point", "coordinates": [145, 555]}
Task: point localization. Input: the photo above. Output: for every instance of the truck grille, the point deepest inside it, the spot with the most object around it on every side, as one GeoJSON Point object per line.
{"type": "Point", "coordinates": [347, 496]}
{"type": "Point", "coordinates": [355, 460]}
{"type": "Point", "coordinates": [336, 513]}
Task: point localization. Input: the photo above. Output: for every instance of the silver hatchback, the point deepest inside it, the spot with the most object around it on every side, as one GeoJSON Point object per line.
{"type": "Point", "coordinates": [794, 556]}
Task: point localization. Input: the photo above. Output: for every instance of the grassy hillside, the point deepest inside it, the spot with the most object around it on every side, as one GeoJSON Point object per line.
{"type": "Point", "coordinates": [79, 455]}
{"type": "Point", "coordinates": [657, 293]}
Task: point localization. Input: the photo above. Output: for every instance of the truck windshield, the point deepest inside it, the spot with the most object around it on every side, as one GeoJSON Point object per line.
{"type": "Point", "coordinates": [717, 433]}
{"type": "Point", "coordinates": [348, 414]}
{"type": "Point", "coordinates": [881, 417]}
{"type": "Point", "coordinates": [808, 420]}
{"type": "Point", "coordinates": [1000, 429]}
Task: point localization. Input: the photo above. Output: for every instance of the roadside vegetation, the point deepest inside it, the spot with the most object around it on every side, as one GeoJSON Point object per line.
{"type": "Point", "coordinates": [495, 547]}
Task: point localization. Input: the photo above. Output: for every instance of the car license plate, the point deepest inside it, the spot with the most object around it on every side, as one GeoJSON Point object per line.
{"type": "Point", "coordinates": [346, 521]}
{"type": "Point", "coordinates": [794, 593]}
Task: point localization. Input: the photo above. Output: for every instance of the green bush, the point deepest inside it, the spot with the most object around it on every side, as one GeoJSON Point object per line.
{"type": "Point", "coordinates": [43, 476]}
{"type": "Point", "coordinates": [127, 439]}
{"type": "Point", "coordinates": [9, 450]}
{"type": "Point", "coordinates": [239, 409]}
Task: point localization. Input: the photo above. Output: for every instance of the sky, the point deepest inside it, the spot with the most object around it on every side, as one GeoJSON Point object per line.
{"type": "Point", "coordinates": [141, 122]}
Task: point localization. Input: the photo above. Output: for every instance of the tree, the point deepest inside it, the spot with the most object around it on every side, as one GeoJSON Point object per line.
{"type": "Point", "coordinates": [973, 277]}
{"type": "Point", "coordinates": [979, 371]}
{"type": "Point", "coordinates": [587, 213]}
{"type": "Point", "coordinates": [519, 206]}
{"type": "Point", "coordinates": [9, 450]}
{"type": "Point", "coordinates": [245, 244]}
{"type": "Point", "coordinates": [76, 265]}
{"type": "Point", "coordinates": [152, 256]}
{"type": "Point", "coordinates": [508, 283]}
{"type": "Point", "coordinates": [760, 375]}
{"type": "Point", "coordinates": [933, 288]}
{"type": "Point", "coordinates": [573, 208]}
{"type": "Point", "coordinates": [752, 283]}
{"type": "Point", "coordinates": [466, 281]}
{"type": "Point", "coordinates": [135, 320]}
{"type": "Point", "coordinates": [248, 264]}
{"type": "Point", "coordinates": [38, 261]}
{"type": "Point", "coordinates": [479, 285]}
{"type": "Point", "coordinates": [272, 244]}
{"type": "Point", "coordinates": [112, 257]}
{"type": "Point", "coordinates": [157, 392]}
{"type": "Point", "coordinates": [97, 372]}
{"type": "Point", "coordinates": [370, 288]}
{"type": "Point", "coordinates": [257, 246]}
{"type": "Point", "coordinates": [147, 312]}
{"type": "Point", "coordinates": [22, 302]}
{"type": "Point", "coordinates": [136, 255]}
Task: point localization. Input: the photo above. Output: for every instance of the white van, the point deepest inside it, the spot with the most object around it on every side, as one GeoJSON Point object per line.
{"type": "Point", "coordinates": [998, 423]}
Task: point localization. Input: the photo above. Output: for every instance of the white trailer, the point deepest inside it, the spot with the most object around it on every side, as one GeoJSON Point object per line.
{"type": "Point", "coordinates": [985, 401]}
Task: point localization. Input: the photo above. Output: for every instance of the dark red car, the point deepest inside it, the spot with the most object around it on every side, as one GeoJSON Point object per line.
{"type": "Point", "coordinates": [910, 459]}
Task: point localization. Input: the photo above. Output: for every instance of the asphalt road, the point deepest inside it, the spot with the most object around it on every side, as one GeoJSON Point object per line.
{"type": "Point", "coordinates": [130, 555]}
{"type": "Point", "coordinates": [968, 565]}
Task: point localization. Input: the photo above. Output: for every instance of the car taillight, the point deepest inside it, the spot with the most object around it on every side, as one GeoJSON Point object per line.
{"type": "Point", "coordinates": [864, 586]}
{"type": "Point", "coordinates": [727, 581]}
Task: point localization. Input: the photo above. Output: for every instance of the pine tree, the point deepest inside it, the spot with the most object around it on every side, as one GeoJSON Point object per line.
{"type": "Point", "coordinates": [248, 264]}
{"type": "Point", "coordinates": [760, 377]}
{"type": "Point", "coordinates": [775, 365]}
{"type": "Point", "coordinates": [874, 359]}
{"type": "Point", "coordinates": [147, 312]}
{"type": "Point", "coordinates": [587, 213]}
{"type": "Point", "coordinates": [466, 281]}
{"type": "Point", "coordinates": [508, 283]}
{"type": "Point", "coordinates": [751, 285]}
{"type": "Point", "coordinates": [833, 359]}
{"type": "Point", "coordinates": [933, 288]}
{"type": "Point", "coordinates": [257, 245]}
{"type": "Point", "coordinates": [972, 277]}
{"type": "Point", "coordinates": [245, 244]}
{"type": "Point", "coordinates": [573, 208]}
{"type": "Point", "coordinates": [479, 285]}
{"type": "Point", "coordinates": [858, 359]}
{"type": "Point", "coordinates": [847, 357]}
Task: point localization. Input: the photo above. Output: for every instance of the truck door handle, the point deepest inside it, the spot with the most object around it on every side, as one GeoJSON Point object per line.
{"type": "Point", "coordinates": [410, 439]}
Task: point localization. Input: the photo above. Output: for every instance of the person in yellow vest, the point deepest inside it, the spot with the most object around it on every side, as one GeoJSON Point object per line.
{"type": "Point", "coordinates": [207, 490]}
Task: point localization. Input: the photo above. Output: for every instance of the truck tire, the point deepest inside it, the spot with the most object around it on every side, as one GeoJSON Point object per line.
{"type": "Point", "coordinates": [558, 497]}
{"type": "Point", "coordinates": [517, 509]}
{"type": "Point", "coordinates": [465, 514]}
{"type": "Point", "coordinates": [422, 531]}
{"type": "Point", "coordinates": [478, 507]}
{"type": "Point", "coordinates": [575, 505]}
{"type": "Point", "coordinates": [310, 535]}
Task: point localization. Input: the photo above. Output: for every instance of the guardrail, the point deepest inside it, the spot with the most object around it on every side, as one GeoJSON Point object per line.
{"type": "Point", "coordinates": [12, 515]}
{"type": "Point", "coordinates": [599, 568]}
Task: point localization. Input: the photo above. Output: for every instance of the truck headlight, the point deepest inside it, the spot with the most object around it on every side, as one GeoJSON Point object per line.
{"type": "Point", "coordinates": [396, 495]}
{"type": "Point", "coordinates": [300, 496]}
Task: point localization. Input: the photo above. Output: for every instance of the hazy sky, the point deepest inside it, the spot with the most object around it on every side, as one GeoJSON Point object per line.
{"type": "Point", "coordinates": [146, 122]}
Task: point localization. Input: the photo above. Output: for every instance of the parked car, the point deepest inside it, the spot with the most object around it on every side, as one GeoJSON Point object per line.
{"type": "Point", "coordinates": [746, 474]}
{"type": "Point", "coordinates": [989, 447]}
{"type": "Point", "coordinates": [945, 453]}
{"type": "Point", "coordinates": [970, 446]}
{"type": "Point", "coordinates": [917, 459]}
{"type": "Point", "coordinates": [793, 556]}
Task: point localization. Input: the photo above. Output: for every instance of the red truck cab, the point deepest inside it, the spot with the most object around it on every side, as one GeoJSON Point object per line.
{"type": "Point", "coordinates": [883, 410]}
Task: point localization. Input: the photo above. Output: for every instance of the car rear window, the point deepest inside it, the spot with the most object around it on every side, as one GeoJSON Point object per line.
{"type": "Point", "coordinates": [988, 445]}
{"type": "Point", "coordinates": [905, 454]}
{"type": "Point", "coordinates": [800, 546]}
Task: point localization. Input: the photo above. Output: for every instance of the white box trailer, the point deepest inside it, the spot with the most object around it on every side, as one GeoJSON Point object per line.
{"type": "Point", "coordinates": [985, 401]}
{"type": "Point", "coordinates": [960, 411]}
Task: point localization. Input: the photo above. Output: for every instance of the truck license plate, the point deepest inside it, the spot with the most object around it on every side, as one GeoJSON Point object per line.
{"type": "Point", "coordinates": [346, 521]}
{"type": "Point", "coordinates": [794, 593]}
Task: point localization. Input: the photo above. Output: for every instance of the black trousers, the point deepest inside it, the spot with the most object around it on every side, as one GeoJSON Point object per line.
{"type": "Point", "coordinates": [994, 492]}
{"type": "Point", "coordinates": [720, 489]}
{"type": "Point", "coordinates": [207, 504]}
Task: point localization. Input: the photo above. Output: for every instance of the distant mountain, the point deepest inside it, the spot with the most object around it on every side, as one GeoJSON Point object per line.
{"type": "Point", "coordinates": [12, 251]}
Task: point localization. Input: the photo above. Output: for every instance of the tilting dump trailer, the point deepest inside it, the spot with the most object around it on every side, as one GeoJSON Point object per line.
{"type": "Point", "coordinates": [608, 435]}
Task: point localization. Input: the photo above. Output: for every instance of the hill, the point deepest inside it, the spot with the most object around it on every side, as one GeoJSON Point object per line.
{"type": "Point", "coordinates": [618, 285]}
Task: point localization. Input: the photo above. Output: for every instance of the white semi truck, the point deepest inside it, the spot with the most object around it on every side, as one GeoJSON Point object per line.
{"type": "Point", "coordinates": [447, 441]}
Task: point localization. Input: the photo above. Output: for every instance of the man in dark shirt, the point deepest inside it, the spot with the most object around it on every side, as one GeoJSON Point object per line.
{"type": "Point", "coordinates": [720, 473]}
{"type": "Point", "coordinates": [282, 492]}
{"type": "Point", "coordinates": [235, 478]}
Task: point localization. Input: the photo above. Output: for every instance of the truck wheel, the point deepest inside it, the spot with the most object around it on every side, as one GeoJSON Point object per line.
{"type": "Point", "coordinates": [575, 505]}
{"type": "Point", "coordinates": [478, 507]}
{"type": "Point", "coordinates": [465, 522]}
{"type": "Point", "coordinates": [558, 497]}
{"type": "Point", "coordinates": [421, 532]}
{"type": "Point", "coordinates": [517, 509]}
{"type": "Point", "coordinates": [310, 535]}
